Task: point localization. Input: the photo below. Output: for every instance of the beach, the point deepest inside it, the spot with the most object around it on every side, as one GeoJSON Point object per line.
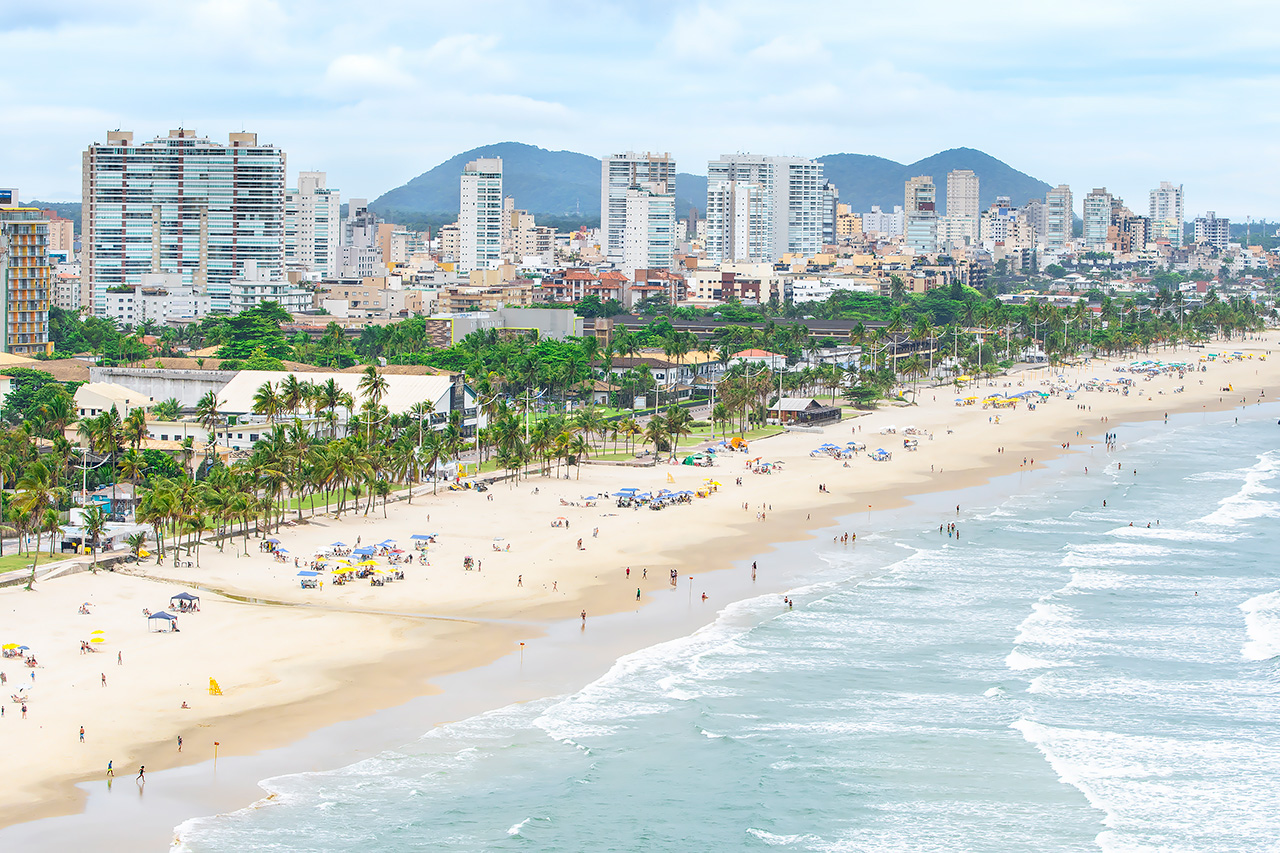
{"type": "Point", "coordinates": [290, 660]}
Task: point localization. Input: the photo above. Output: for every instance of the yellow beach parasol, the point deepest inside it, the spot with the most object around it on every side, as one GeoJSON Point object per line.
{"type": "Point", "coordinates": [143, 552]}
{"type": "Point", "coordinates": [99, 631]}
{"type": "Point", "coordinates": [8, 646]}
{"type": "Point", "coordinates": [98, 640]}
{"type": "Point", "coordinates": [367, 563]}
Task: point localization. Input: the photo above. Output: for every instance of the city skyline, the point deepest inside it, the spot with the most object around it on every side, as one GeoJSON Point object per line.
{"type": "Point", "coordinates": [358, 99]}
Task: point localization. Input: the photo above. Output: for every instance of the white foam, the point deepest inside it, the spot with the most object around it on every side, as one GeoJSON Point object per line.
{"type": "Point", "coordinates": [1262, 624]}
{"type": "Point", "coordinates": [1249, 501]}
{"type": "Point", "coordinates": [1047, 625]}
{"type": "Point", "coordinates": [994, 693]}
{"type": "Point", "coordinates": [1020, 661]}
{"type": "Point", "coordinates": [780, 840]}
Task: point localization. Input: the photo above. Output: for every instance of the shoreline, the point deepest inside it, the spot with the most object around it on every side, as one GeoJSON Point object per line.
{"type": "Point", "coordinates": [736, 542]}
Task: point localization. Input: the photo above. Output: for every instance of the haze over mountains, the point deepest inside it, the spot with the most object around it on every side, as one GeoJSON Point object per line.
{"type": "Point", "coordinates": [567, 184]}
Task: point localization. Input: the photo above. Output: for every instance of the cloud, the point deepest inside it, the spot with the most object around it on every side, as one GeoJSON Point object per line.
{"type": "Point", "coordinates": [1090, 93]}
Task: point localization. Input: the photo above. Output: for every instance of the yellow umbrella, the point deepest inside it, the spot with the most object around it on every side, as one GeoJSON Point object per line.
{"type": "Point", "coordinates": [964, 378]}
{"type": "Point", "coordinates": [367, 563]}
{"type": "Point", "coordinates": [98, 640]}
{"type": "Point", "coordinates": [9, 646]}
{"type": "Point", "coordinates": [99, 631]}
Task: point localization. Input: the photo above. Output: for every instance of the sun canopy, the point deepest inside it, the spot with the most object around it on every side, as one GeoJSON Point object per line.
{"type": "Point", "coordinates": [162, 615]}
{"type": "Point", "coordinates": [308, 574]}
{"type": "Point", "coordinates": [422, 536]}
{"type": "Point", "coordinates": [184, 596]}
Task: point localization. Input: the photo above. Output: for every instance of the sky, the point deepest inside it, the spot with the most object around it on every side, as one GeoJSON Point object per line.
{"type": "Point", "coordinates": [1114, 93]}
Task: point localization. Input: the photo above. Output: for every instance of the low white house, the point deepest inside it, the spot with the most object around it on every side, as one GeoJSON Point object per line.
{"type": "Point", "coordinates": [94, 398]}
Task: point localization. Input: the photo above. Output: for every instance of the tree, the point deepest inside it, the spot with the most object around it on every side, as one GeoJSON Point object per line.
{"type": "Point", "coordinates": [36, 494]}
{"type": "Point", "coordinates": [95, 525]}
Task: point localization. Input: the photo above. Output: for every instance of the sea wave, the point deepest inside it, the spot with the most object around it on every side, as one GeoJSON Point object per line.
{"type": "Point", "coordinates": [1262, 624]}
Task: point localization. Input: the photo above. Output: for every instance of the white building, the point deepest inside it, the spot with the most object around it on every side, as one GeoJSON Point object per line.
{"type": "Point", "coordinates": [1167, 213]}
{"type": "Point", "coordinates": [1097, 218]}
{"type": "Point", "coordinates": [1059, 218]}
{"type": "Point", "coordinates": [159, 298]}
{"type": "Point", "coordinates": [1210, 229]}
{"type": "Point", "coordinates": [312, 218]}
{"type": "Point", "coordinates": [884, 224]}
{"type": "Point", "coordinates": [480, 215]}
{"type": "Point", "coordinates": [962, 193]}
{"type": "Point", "coordinates": [779, 201]}
{"type": "Point", "coordinates": [253, 288]}
{"type": "Point", "coordinates": [649, 236]}
{"type": "Point", "coordinates": [181, 204]}
{"type": "Point", "coordinates": [921, 207]}
{"type": "Point", "coordinates": [359, 255]}
{"type": "Point", "coordinates": [620, 176]}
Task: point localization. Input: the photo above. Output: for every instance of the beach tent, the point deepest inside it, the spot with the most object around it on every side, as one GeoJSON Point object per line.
{"type": "Point", "coordinates": [308, 574]}
{"type": "Point", "coordinates": [363, 551]}
{"type": "Point", "coordinates": [422, 537]}
{"type": "Point", "coordinates": [161, 621]}
{"type": "Point", "coordinates": [183, 596]}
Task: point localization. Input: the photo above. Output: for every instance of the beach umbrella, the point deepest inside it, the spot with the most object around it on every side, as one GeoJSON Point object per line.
{"type": "Point", "coordinates": [308, 574]}
{"type": "Point", "coordinates": [143, 552]}
{"type": "Point", "coordinates": [24, 648]}
{"type": "Point", "coordinates": [99, 631]}
{"type": "Point", "coordinates": [98, 640]}
{"type": "Point", "coordinates": [282, 550]}
{"type": "Point", "coordinates": [421, 536]}
{"type": "Point", "coordinates": [367, 563]}
{"type": "Point", "coordinates": [274, 541]}
{"type": "Point", "coordinates": [9, 646]}
{"type": "Point", "coordinates": [337, 544]}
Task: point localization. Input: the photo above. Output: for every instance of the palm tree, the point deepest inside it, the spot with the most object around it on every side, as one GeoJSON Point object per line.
{"type": "Point", "coordinates": [94, 521]}
{"type": "Point", "coordinates": [134, 428]}
{"type": "Point", "coordinates": [266, 402]}
{"type": "Point", "coordinates": [209, 415]}
{"type": "Point", "coordinates": [677, 422]}
{"type": "Point", "coordinates": [135, 541]}
{"type": "Point", "coordinates": [580, 449]}
{"type": "Point", "coordinates": [373, 386]}
{"type": "Point", "coordinates": [35, 494]}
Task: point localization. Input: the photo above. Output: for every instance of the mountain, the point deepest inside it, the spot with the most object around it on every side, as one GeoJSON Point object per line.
{"type": "Point", "coordinates": [559, 185]}
{"type": "Point", "coordinates": [563, 187]}
{"type": "Point", "coordinates": [65, 209]}
{"type": "Point", "coordinates": [864, 180]}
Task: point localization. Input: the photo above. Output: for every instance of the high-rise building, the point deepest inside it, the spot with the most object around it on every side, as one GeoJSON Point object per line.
{"type": "Point", "coordinates": [1059, 218]}
{"type": "Point", "coordinates": [962, 193]}
{"type": "Point", "coordinates": [830, 205]}
{"type": "Point", "coordinates": [1167, 213]}
{"type": "Point", "coordinates": [1097, 218]}
{"type": "Point", "coordinates": [24, 277]}
{"type": "Point", "coordinates": [884, 224]}
{"type": "Point", "coordinates": [1210, 229]}
{"type": "Point", "coordinates": [739, 223]}
{"type": "Point", "coordinates": [781, 199]}
{"type": "Point", "coordinates": [649, 235]}
{"type": "Point", "coordinates": [181, 204]}
{"type": "Point", "coordinates": [359, 253]}
{"type": "Point", "coordinates": [922, 214]}
{"type": "Point", "coordinates": [621, 174]}
{"type": "Point", "coordinates": [312, 216]}
{"type": "Point", "coordinates": [480, 215]}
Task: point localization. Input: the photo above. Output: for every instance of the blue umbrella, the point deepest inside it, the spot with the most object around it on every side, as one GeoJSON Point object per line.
{"type": "Point", "coordinates": [422, 536]}
{"type": "Point", "coordinates": [337, 544]}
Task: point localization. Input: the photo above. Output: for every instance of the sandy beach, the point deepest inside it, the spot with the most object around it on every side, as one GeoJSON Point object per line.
{"type": "Point", "coordinates": [290, 660]}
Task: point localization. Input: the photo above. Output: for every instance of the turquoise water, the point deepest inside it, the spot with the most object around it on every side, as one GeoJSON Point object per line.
{"type": "Point", "coordinates": [1055, 681]}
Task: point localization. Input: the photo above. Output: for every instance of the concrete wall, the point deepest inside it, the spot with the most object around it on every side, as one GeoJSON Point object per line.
{"type": "Point", "coordinates": [158, 383]}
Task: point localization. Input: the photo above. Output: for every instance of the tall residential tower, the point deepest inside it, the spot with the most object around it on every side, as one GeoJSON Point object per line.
{"type": "Point", "coordinates": [311, 225]}
{"type": "Point", "coordinates": [635, 192]}
{"type": "Point", "coordinates": [761, 208]}
{"type": "Point", "coordinates": [181, 204]}
{"type": "Point", "coordinates": [1167, 213]}
{"type": "Point", "coordinates": [25, 276]}
{"type": "Point", "coordinates": [480, 215]}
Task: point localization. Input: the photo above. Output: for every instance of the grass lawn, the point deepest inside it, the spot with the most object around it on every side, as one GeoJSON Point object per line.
{"type": "Point", "coordinates": [20, 562]}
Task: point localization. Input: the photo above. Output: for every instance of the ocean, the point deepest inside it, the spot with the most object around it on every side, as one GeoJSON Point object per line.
{"type": "Point", "coordinates": [1053, 680]}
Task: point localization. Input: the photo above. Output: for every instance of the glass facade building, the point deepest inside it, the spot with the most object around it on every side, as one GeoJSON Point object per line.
{"type": "Point", "coordinates": [181, 204]}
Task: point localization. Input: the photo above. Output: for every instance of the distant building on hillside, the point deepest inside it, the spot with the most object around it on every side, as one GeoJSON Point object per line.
{"type": "Point", "coordinates": [480, 215]}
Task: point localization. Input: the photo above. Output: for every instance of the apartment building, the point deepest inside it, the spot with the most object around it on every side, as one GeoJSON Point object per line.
{"type": "Point", "coordinates": [1212, 230]}
{"type": "Point", "coordinates": [181, 204]}
{"type": "Point", "coordinates": [253, 288]}
{"type": "Point", "coordinates": [637, 209]}
{"type": "Point", "coordinates": [312, 227]}
{"type": "Point", "coordinates": [25, 276]}
{"type": "Point", "coordinates": [1167, 213]}
{"type": "Point", "coordinates": [1097, 218]}
{"type": "Point", "coordinates": [1059, 218]}
{"type": "Point", "coordinates": [480, 215]}
{"type": "Point", "coordinates": [158, 298]}
{"type": "Point", "coordinates": [760, 208]}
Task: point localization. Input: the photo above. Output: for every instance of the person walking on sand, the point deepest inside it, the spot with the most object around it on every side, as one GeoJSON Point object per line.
{"type": "Point", "coordinates": [104, 679]}
{"type": "Point", "coordinates": [519, 580]}
{"type": "Point", "coordinates": [179, 743]}
{"type": "Point", "coordinates": [142, 774]}
{"type": "Point", "coordinates": [637, 593]}
{"type": "Point", "coordinates": [82, 734]}
{"type": "Point", "coordinates": [111, 773]}
{"type": "Point", "coordinates": [584, 617]}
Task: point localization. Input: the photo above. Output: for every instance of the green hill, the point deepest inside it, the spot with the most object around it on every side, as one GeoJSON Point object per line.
{"type": "Point", "coordinates": [864, 180]}
{"type": "Point", "coordinates": [562, 188]}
